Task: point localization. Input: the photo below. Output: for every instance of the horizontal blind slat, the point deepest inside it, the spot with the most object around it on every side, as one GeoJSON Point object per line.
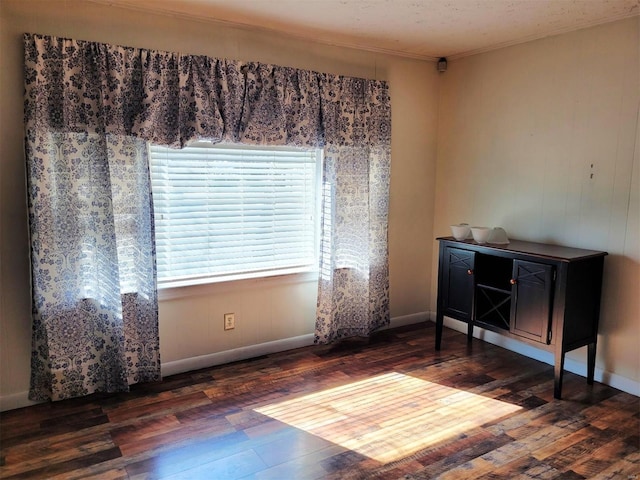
{"type": "Point", "coordinates": [228, 210]}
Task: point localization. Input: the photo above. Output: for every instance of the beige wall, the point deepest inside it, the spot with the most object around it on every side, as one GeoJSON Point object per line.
{"type": "Point", "coordinates": [519, 131]}
{"type": "Point", "coordinates": [266, 310]}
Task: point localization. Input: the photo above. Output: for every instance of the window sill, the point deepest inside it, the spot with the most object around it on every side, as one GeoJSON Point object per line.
{"type": "Point", "coordinates": [211, 286]}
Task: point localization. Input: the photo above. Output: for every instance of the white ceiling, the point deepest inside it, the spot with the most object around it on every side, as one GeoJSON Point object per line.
{"type": "Point", "coordinates": [424, 29]}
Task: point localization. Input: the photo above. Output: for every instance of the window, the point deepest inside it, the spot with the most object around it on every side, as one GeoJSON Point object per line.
{"type": "Point", "coordinates": [228, 211]}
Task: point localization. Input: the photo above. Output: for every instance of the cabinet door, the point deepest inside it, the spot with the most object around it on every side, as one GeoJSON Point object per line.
{"type": "Point", "coordinates": [531, 297]}
{"type": "Point", "coordinates": [459, 283]}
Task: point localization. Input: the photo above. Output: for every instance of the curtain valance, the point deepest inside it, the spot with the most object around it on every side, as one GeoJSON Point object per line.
{"type": "Point", "coordinates": [173, 99]}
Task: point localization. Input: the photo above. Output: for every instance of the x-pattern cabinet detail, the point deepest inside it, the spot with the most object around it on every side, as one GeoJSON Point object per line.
{"type": "Point", "coordinates": [545, 295]}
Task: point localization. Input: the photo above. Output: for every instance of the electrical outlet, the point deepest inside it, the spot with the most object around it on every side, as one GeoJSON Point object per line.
{"type": "Point", "coordinates": [229, 321]}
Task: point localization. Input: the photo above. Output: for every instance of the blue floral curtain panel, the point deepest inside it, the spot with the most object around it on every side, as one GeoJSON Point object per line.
{"type": "Point", "coordinates": [90, 111]}
{"type": "Point", "coordinates": [95, 310]}
{"type": "Point", "coordinates": [353, 289]}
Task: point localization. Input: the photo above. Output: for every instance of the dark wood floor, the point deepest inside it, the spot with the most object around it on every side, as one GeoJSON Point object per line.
{"type": "Point", "coordinates": [390, 407]}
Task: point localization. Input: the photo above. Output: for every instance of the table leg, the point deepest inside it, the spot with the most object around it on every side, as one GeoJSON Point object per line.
{"type": "Point", "coordinates": [591, 362]}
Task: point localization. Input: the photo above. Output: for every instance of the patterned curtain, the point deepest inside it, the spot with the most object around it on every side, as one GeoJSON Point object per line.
{"type": "Point", "coordinates": [91, 108]}
{"type": "Point", "coordinates": [353, 289]}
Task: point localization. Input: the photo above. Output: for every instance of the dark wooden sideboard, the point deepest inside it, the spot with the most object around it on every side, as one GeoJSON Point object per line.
{"type": "Point", "coordinates": [545, 295]}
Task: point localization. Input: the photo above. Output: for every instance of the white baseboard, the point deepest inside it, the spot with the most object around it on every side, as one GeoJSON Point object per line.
{"type": "Point", "coordinates": [580, 368]}
{"type": "Point", "coordinates": [242, 353]}
{"type": "Point", "coordinates": [407, 320]}
{"type": "Point", "coordinates": [15, 400]}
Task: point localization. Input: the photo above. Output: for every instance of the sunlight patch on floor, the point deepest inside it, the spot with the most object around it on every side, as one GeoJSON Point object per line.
{"type": "Point", "coordinates": [389, 416]}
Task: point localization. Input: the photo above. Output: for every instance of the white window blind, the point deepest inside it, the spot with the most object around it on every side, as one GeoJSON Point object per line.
{"type": "Point", "coordinates": [229, 210]}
